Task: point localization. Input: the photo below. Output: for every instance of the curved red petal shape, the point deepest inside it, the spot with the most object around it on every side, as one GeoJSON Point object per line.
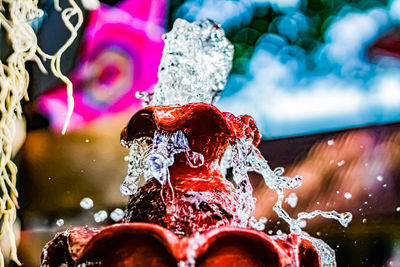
{"type": "Point", "coordinates": [142, 244]}
{"type": "Point", "coordinates": [208, 130]}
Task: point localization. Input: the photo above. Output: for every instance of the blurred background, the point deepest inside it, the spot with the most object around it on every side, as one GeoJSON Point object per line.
{"type": "Point", "coordinates": [320, 77]}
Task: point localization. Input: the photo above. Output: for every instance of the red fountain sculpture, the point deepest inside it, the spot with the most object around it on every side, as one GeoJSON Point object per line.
{"type": "Point", "coordinates": [188, 215]}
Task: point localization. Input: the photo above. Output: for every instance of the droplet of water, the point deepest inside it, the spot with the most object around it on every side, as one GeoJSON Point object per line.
{"type": "Point", "coordinates": [279, 171]}
{"type": "Point", "coordinates": [302, 224]}
{"type": "Point", "coordinates": [117, 215]}
{"type": "Point", "coordinates": [341, 163]}
{"type": "Point", "coordinates": [292, 200]}
{"type": "Point", "coordinates": [100, 216]}
{"type": "Point", "coordinates": [258, 225]}
{"type": "Point", "coordinates": [347, 195]}
{"type": "Point", "coordinates": [270, 232]}
{"type": "Point", "coordinates": [364, 220]}
{"type": "Point", "coordinates": [87, 141]}
{"type": "Point", "coordinates": [385, 185]}
{"type": "Point", "coordinates": [331, 142]}
{"type": "Point", "coordinates": [398, 209]}
{"type": "Point", "coordinates": [379, 178]}
{"type": "Point", "coordinates": [129, 186]}
{"type": "Point", "coordinates": [60, 222]}
{"type": "Point", "coordinates": [86, 203]}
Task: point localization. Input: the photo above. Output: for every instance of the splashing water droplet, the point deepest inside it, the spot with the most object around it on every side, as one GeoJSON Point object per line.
{"type": "Point", "coordinates": [117, 215]}
{"type": "Point", "coordinates": [246, 201]}
{"type": "Point", "coordinates": [145, 97]}
{"type": "Point", "coordinates": [157, 167]}
{"type": "Point", "coordinates": [194, 243]}
{"type": "Point", "coordinates": [279, 171]}
{"type": "Point", "coordinates": [277, 182]}
{"type": "Point", "coordinates": [258, 225]}
{"type": "Point", "coordinates": [347, 195]}
{"type": "Point", "coordinates": [139, 150]}
{"type": "Point", "coordinates": [165, 146]}
{"type": "Point", "coordinates": [379, 178]}
{"type": "Point", "coordinates": [279, 232]}
{"type": "Point", "coordinates": [100, 216]}
{"type": "Point", "coordinates": [292, 200]}
{"type": "Point", "coordinates": [331, 142]}
{"type": "Point", "coordinates": [302, 223]}
{"type": "Point", "coordinates": [364, 220]}
{"type": "Point", "coordinates": [129, 186]}
{"type": "Point", "coordinates": [195, 64]}
{"type": "Point", "coordinates": [60, 222]}
{"type": "Point", "coordinates": [398, 209]}
{"type": "Point", "coordinates": [226, 161]}
{"type": "Point", "coordinates": [86, 203]}
{"type": "Point", "coordinates": [341, 163]}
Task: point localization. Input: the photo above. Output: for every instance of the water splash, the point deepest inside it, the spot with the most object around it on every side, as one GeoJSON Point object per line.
{"type": "Point", "coordinates": [117, 215]}
{"type": "Point", "coordinates": [86, 203]}
{"type": "Point", "coordinates": [244, 189]}
{"type": "Point", "coordinates": [151, 158]}
{"type": "Point", "coordinates": [194, 67]}
{"type": "Point", "coordinates": [146, 98]}
{"type": "Point", "coordinates": [244, 157]}
{"type": "Point", "coordinates": [292, 200]}
{"type": "Point", "coordinates": [60, 222]}
{"type": "Point", "coordinates": [139, 149]}
{"type": "Point", "coordinates": [100, 216]}
{"type": "Point", "coordinates": [226, 161]}
{"type": "Point", "coordinates": [258, 224]}
{"type": "Point", "coordinates": [165, 146]}
{"type": "Point", "coordinates": [195, 242]}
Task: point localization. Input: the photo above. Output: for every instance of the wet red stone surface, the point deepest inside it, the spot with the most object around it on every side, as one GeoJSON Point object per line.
{"type": "Point", "coordinates": [197, 199]}
{"type": "Point", "coordinates": [188, 218]}
{"type": "Point", "coordinates": [144, 244]}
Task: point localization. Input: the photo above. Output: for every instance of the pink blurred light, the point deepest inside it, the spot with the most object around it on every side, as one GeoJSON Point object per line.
{"type": "Point", "coordinates": [120, 54]}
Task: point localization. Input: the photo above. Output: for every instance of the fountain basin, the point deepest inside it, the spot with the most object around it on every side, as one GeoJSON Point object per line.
{"type": "Point", "coordinates": [144, 244]}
